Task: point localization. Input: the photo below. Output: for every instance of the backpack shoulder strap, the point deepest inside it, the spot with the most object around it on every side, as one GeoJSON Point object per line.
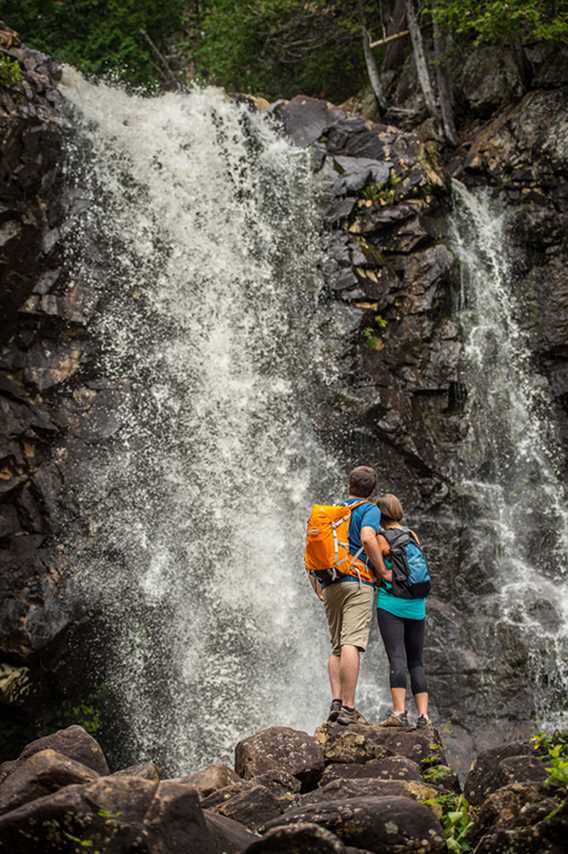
{"type": "Point", "coordinates": [395, 536]}
{"type": "Point", "coordinates": [357, 503]}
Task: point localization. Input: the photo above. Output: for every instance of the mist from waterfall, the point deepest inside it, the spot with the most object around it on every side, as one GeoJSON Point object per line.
{"type": "Point", "coordinates": [199, 226]}
{"type": "Point", "coordinates": [511, 460]}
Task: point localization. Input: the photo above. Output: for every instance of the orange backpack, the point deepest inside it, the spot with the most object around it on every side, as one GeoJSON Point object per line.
{"type": "Point", "coordinates": [327, 542]}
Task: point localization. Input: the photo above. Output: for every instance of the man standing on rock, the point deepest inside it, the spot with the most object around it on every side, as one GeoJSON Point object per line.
{"type": "Point", "coordinates": [348, 597]}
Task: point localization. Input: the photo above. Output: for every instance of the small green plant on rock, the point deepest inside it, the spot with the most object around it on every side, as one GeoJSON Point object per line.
{"type": "Point", "coordinates": [554, 748]}
{"type": "Point", "coordinates": [380, 321]}
{"type": "Point", "coordinates": [371, 339]}
{"type": "Point", "coordinates": [436, 773]}
{"type": "Point", "coordinates": [456, 820]}
{"type": "Point", "coordinates": [435, 755]}
{"type": "Point", "coordinates": [10, 72]}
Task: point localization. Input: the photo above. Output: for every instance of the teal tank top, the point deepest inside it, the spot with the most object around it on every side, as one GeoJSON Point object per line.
{"type": "Point", "coordinates": [409, 609]}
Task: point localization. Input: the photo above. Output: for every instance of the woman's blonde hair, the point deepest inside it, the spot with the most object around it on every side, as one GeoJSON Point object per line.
{"type": "Point", "coordinates": [390, 507]}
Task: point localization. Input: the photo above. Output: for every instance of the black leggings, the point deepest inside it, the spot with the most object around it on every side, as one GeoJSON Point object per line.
{"type": "Point", "coordinates": [404, 644]}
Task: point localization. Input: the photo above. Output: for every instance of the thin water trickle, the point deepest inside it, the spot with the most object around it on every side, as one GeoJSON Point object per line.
{"type": "Point", "coordinates": [511, 458]}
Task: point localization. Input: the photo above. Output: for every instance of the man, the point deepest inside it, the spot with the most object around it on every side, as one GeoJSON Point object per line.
{"type": "Point", "coordinates": [349, 599]}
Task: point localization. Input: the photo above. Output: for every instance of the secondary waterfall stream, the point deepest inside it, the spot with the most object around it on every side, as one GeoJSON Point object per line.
{"type": "Point", "coordinates": [510, 465]}
{"type": "Point", "coordinates": [199, 226]}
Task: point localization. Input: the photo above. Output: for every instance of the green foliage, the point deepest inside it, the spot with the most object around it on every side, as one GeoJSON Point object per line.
{"type": "Point", "coordinates": [374, 192]}
{"type": "Point", "coordinates": [554, 746]}
{"type": "Point", "coordinates": [371, 339]}
{"type": "Point", "coordinates": [10, 72]}
{"type": "Point", "coordinates": [82, 843]}
{"type": "Point", "coordinates": [86, 716]}
{"type": "Point", "coordinates": [435, 774]}
{"type": "Point", "coordinates": [435, 755]}
{"type": "Point", "coordinates": [503, 21]}
{"type": "Point", "coordinates": [98, 36]}
{"type": "Point", "coordinates": [380, 321]}
{"type": "Point", "coordinates": [457, 821]}
{"type": "Point", "coordinates": [281, 47]}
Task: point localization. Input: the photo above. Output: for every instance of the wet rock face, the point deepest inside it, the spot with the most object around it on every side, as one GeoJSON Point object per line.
{"type": "Point", "coordinates": [36, 356]}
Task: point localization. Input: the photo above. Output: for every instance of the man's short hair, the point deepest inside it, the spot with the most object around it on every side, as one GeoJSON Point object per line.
{"type": "Point", "coordinates": [362, 481]}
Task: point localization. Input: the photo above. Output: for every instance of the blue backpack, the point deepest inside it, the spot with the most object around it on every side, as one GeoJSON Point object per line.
{"type": "Point", "coordinates": [411, 577]}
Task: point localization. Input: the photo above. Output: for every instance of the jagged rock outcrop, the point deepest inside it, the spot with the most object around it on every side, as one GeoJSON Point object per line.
{"type": "Point", "coordinates": [49, 801]}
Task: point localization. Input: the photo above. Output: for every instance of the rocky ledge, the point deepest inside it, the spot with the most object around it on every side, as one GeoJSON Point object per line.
{"type": "Point", "coordinates": [364, 788]}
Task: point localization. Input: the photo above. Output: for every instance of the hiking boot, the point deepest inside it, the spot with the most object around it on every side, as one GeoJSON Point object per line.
{"type": "Point", "coordinates": [396, 720]}
{"type": "Point", "coordinates": [423, 721]}
{"type": "Point", "coordinates": [334, 711]}
{"type": "Point", "coordinates": [350, 716]}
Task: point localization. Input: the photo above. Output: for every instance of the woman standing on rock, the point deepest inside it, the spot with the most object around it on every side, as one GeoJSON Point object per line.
{"type": "Point", "coordinates": [402, 620]}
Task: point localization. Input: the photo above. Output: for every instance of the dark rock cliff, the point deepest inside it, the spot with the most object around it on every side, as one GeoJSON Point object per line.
{"type": "Point", "coordinates": [391, 286]}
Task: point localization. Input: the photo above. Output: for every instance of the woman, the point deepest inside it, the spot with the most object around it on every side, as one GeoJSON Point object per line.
{"type": "Point", "coordinates": [401, 623]}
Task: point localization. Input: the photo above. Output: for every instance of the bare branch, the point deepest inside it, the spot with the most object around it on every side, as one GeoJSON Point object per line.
{"type": "Point", "coordinates": [444, 91]}
{"type": "Point", "coordinates": [420, 59]}
{"type": "Point", "coordinates": [388, 39]}
{"type": "Point", "coordinates": [373, 72]}
{"type": "Point", "coordinates": [162, 59]}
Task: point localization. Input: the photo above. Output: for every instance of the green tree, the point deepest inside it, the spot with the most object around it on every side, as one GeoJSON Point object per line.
{"type": "Point", "coordinates": [282, 47]}
{"type": "Point", "coordinates": [503, 21]}
{"type": "Point", "coordinates": [99, 36]}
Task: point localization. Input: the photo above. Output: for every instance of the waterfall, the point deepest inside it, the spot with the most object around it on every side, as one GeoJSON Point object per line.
{"type": "Point", "coordinates": [510, 467]}
{"type": "Point", "coordinates": [198, 227]}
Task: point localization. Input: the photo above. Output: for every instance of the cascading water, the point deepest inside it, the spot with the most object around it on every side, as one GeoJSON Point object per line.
{"type": "Point", "coordinates": [511, 462]}
{"type": "Point", "coordinates": [199, 226]}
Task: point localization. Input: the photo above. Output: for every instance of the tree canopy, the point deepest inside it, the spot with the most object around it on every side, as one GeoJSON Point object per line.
{"type": "Point", "coordinates": [98, 36]}
{"type": "Point", "coordinates": [269, 47]}
{"type": "Point", "coordinates": [503, 21]}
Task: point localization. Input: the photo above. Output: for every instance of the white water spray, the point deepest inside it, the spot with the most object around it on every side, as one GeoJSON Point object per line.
{"type": "Point", "coordinates": [200, 227]}
{"type": "Point", "coordinates": [511, 456]}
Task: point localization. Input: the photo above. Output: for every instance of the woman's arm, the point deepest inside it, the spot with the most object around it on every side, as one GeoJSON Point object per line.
{"type": "Point", "coordinates": [371, 543]}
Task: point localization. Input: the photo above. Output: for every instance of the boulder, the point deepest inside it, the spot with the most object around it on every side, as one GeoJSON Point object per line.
{"type": "Point", "coordinates": [73, 742]}
{"type": "Point", "coordinates": [305, 119]}
{"type": "Point", "coordinates": [145, 770]}
{"type": "Point", "coordinates": [175, 821]}
{"type": "Point", "coordinates": [6, 769]}
{"type": "Point", "coordinates": [362, 742]}
{"type": "Point", "coordinates": [389, 768]}
{"type": "Point", "coordinates": [222, 795]}
{"type": "Point", "coordinates": [41, 774]}
{"type": "Point", "coordinates": [252, 806]}
{"type": "Point", "coordinates": [114, 815]}
{"type": "Point", "coordinates": [522, 769]}
{"type": "Point", "coordinates": [486, 775]}
{"type": "Point", "coordinates": [355, 172]}
{"type": "Point", "coordinates": [379, 824]}
{"type": "Point", "coordinates": [229, 836]}
{"type": "Point", "coordinates": [357, 743]}
{"type": "Point", "coordinates": [369, 787]}
{"type": "Point", "coordinates": [280, 783]}
{"type": "Point", "coordinates": [519, 818]}
{"type": "Point", "coordinates": [292, 751]}
{"type": "Point", "coordinates": [299, 838]}
{"type": "Point", "coordinates": [216, 776]}
{"type": "Point", "coordinates": [489, 78]}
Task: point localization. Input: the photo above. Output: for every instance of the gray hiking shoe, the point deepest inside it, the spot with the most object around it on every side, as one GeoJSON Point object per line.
{"type": "Point", "coordinates": [334, 711]}
{"type": "Point", "coordinates": [422, 721]}
{"type": "Point", "coordinates": [350, 716]}
{"type": "Point", "coordinates": [396, 720]}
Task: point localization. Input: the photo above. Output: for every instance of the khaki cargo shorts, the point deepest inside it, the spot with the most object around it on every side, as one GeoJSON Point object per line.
{"type": "Point", "coordinates": [348, 607]}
